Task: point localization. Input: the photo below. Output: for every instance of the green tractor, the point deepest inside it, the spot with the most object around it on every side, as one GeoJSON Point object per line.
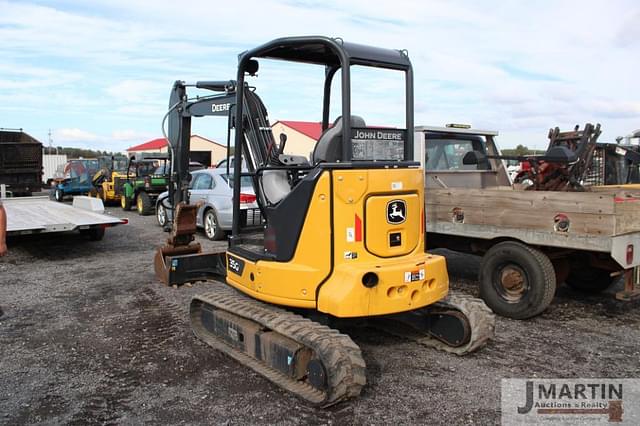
{"type": "Point", "coordinates": [146, 178]}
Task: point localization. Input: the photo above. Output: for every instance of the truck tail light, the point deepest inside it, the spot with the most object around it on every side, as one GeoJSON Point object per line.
{"type": "Point", "coordinates": [629, 254]}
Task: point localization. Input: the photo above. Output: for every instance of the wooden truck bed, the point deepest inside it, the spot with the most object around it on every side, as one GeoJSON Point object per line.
{"type": "Point", "coordinates": [602, 221]}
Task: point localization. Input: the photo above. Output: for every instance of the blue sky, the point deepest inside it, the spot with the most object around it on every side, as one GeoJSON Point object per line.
{"type": "Point", "coordinates": [98, 73]}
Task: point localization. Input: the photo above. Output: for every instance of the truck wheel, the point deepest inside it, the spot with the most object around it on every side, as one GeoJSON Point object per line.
{"type": "Point", "coordinates": [516, 281]}
{"type": "Point", "coordinates": [211, 228]}
{"type": "Point", "coordinates": [58, 195]}
{"type": "Point", "coordinates": [589, 279]}
{"type": "Point", "coordinates": [144, 204]}
{"type": "Point", "coordinates": [125, 202]}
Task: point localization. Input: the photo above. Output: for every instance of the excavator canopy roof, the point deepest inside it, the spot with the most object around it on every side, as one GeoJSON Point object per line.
{"type": "Point", "coordinates": [329, 51]}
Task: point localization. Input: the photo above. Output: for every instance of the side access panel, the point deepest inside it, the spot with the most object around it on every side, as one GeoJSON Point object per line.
{"type": "Point", "coordinates": [292, 283]}
{"type": "Point", "coordinates": [366, 228]}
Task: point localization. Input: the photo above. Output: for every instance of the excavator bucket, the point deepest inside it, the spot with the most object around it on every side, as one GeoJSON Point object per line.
{"type": "Point", "coordinates": [180, 260]}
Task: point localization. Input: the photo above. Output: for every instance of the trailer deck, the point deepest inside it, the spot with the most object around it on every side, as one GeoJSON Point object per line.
{"type": "Point", "coordinates": [34, 215]}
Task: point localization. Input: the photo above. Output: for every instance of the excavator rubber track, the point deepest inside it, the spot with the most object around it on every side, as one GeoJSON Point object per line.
{"type": "Point", "coordinates": [245, 329]}
{"type": "Point", "coordinates": [479, 324]}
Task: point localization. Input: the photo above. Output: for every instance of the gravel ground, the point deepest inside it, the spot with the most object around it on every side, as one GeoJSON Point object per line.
{"type": "Point", "coordinates": [89, 337]}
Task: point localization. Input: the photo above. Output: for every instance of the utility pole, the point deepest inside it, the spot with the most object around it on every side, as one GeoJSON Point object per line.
{"type": "Point", "coordinates": [51, 143]}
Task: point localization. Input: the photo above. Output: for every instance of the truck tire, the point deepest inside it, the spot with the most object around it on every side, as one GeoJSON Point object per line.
{"type": "Point", "coordinates": [589, 279]}
{"type": "Point", "coordinates": [144, 204]}
{"type": "Point", "coordinates": [516, 281]}
{"type": "Point", "coordinates": [58, 195]}
{"type": "Point", "coordinates": [125, 202]}
{"type": "Point", "coordinates": [211, 226]}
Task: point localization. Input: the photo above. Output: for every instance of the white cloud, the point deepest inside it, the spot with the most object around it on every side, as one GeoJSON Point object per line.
{"type": "Point", "coordinates": [117, 140]}
{"type": "Point", "coordinates": [130, 135]}
{"type": "Point", "coordinates": [518, 67]}
{"type": "Point", "coordinates": [629, 33]}
{"type": "Point", "coordinates": [74, 135]}
{"type": "Point", "coordinates": [614, 108]}
{"type": "Point", "coordinates": [134, 90]}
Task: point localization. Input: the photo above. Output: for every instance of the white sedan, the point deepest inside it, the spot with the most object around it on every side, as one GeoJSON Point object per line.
{"type": "Point", "coordinates": [214, 188]}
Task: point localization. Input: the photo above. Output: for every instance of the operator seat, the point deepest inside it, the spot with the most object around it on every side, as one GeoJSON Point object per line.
{"type": "Point", "coordinates": [275, 183]}
{"type": "Point", "coordinates": [329, 146]}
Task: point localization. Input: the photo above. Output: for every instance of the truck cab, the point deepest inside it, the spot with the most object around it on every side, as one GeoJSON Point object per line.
{"type": "Point", "coordinates": [441, 150]}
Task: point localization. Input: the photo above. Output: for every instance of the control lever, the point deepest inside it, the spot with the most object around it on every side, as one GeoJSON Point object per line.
{"type": "Point", "coordinates": [283, 141]}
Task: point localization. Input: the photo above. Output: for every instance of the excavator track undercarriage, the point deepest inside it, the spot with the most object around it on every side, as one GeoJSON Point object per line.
{"type": "Point", "coordinates": [316, 363]}
{"type": "Point", "coordinates": [459, 324]}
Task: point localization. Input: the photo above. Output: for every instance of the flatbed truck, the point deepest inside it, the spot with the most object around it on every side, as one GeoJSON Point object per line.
{"type": "Point", "coordinates": [530, 241]}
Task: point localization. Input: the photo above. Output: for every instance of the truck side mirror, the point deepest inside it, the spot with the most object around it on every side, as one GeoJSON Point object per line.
{"type": "Point", "coordinates": [474, 157]}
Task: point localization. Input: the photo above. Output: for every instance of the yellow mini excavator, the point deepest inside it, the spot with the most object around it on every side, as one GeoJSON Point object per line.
{"type": "Point", "coordinates": [342, 235]}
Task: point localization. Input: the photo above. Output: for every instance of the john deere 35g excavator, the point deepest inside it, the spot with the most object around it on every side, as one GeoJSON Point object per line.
{"type": "Point", "coordinates": [343, 235]}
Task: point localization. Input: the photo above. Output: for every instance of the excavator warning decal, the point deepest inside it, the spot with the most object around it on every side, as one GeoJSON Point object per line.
{"type": "Point", "coordinates": [354, 234]}
{"type": "Point", "coordinates": [351, 235]}
{"type": "Point", "coordinates": [417, 275]}
{"type": "Point", "coordinates": [358, 228]}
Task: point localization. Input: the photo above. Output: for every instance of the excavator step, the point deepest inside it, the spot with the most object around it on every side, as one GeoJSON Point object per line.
{"type": "Point", "coordinates": [313, 361]}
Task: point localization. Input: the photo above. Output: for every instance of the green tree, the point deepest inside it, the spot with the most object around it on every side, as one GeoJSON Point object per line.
{"type": "Point", "coordinates": [84, 153]}
{"type": "Point", "coordinates": [519, 150]}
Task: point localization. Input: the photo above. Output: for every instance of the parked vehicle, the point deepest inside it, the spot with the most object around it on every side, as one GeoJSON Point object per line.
{"type": "Point", "coordinates": [222, 164]}
{"type": "Point", "coordinates": [20, 162]}
{"type": "Point", "coordinates": [51, 163]}
{"type": "Point", "coordinates": [530, 240]}
{"type": "Point", "coordinates": [214, 188]}
{"type": "Point", "coordinates": [615, 164]}
{"type": "Point", "coordinates": [109, 180]}
{"type": "Point", "coordinates": [166, 168]}
{"type": "Point", "coordinates": [76, 178]}
{"type": "Point", "coordinates": [146, 178]}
